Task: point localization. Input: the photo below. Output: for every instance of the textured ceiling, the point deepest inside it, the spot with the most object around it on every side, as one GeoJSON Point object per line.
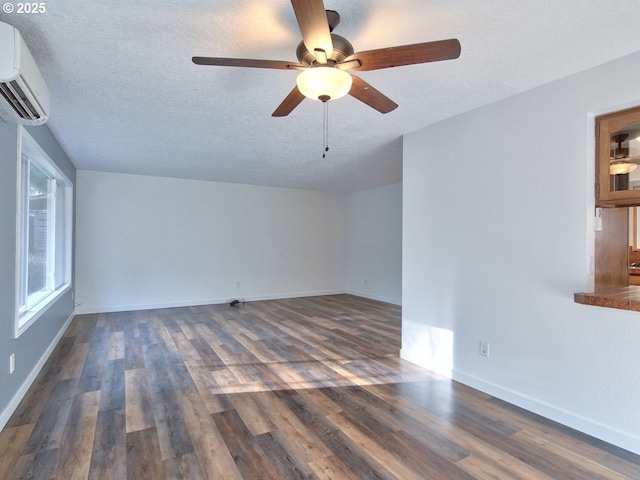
{"type": "Point", "coordinates": [127, 98]}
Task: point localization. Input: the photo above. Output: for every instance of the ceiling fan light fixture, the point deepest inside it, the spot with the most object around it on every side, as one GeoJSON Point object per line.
{"type": "Point", "coordinates": [621, 167]}
{"type": "Point", "coordinates": [324, 83]}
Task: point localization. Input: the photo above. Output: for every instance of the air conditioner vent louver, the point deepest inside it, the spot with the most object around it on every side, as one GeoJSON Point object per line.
{"type": "Point", "coordinates": [13, 94]}
{"type": "Point", "coordinates": [24, 96]}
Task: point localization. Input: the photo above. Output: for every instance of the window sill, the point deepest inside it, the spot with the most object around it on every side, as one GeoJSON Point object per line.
{"type": "Point", "coordinates": [622, 298]}
{"type": "Point", "coordinates": [29, 317]}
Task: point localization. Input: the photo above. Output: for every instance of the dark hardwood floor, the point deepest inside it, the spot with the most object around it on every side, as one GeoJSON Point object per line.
{"type": "Point", "coordinates": [282, 389]}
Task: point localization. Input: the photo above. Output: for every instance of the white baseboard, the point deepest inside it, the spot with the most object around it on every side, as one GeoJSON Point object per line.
{"type": "Point", "coordinates": [603, 432]}
{"type": "Point", "coordinates": [83, 310]}
{"type": "Point", "coordinates": [22, 391]}
{"type": "Point", "coordinates": [370, 296]}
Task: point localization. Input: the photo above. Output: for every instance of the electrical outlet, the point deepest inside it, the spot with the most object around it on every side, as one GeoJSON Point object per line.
{"type": "Point", "coordinates": [484, 348]}
{"type": "Point", "coordinates": [12, 363]}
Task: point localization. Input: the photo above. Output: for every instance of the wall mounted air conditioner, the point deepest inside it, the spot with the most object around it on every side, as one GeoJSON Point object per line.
{"type": "Point", "coordinates": [24, 97]}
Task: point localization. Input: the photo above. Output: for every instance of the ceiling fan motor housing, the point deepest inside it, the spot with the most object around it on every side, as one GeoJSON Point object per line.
{"type": "Point", "coordinates": [341, 50]}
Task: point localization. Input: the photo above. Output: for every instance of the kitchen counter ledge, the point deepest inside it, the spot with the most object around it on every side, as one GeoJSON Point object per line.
{"type": "Point", "coordinates": [623, 298]}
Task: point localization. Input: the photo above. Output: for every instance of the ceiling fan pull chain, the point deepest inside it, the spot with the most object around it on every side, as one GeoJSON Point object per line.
{"type": "Point", "coordinates": [326, 129]}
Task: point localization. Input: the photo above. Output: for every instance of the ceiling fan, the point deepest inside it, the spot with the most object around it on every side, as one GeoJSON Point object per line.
{"type": "Point", "coordinates": [326, 58]}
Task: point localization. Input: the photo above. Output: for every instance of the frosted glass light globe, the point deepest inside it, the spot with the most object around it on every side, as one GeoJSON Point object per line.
{"type": "Point", "coordinates": [324, 83]}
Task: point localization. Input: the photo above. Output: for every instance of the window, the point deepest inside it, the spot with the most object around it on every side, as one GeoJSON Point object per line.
{"type": "Point", "coordinates": [45, 199]}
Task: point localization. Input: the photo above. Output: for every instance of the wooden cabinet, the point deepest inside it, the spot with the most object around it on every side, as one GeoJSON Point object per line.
{"type": "Point", "coordinates": [617, 158]}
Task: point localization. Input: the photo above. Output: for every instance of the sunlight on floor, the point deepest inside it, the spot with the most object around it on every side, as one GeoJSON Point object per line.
{"type": "Point", "coordinates": [294, 375]}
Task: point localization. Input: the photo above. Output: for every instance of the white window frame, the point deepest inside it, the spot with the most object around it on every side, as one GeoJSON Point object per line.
{"type": "Point", "coordinates": [28, 308]}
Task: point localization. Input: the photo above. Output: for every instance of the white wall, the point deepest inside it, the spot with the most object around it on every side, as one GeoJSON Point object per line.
{"type": "Point", "coordinates": [498, 206]}
{"type": "Point", "coordinates": [145, 242]}
{"type": "Point", "coordinates": [374, 243]}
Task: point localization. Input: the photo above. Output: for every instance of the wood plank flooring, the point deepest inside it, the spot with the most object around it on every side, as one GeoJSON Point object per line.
{"type": "Point", "coordinates": [307, 388]}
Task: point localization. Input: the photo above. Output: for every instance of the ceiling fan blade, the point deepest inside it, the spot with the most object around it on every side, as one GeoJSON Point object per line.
{"type": "Point", "coordinates": [372, 97]}
{"type": "Point", "coordinates": [406, 55]}
{"type": "Point", "coordinates": [314, 27]}
{"type": "Point", "coordinates": [289, 103]}
{"type": "Point", "coordinates": [247, 62]}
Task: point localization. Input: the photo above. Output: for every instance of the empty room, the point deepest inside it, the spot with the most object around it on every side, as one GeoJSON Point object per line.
{"type": "Point", "coordinates": [318, 239]}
